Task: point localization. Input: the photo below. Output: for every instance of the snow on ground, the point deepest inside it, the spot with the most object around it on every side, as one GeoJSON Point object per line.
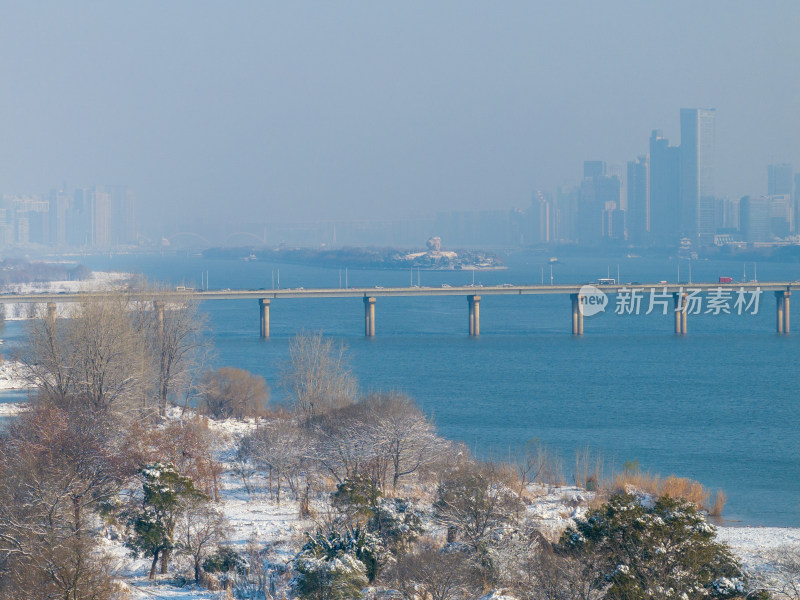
{"type": "Point", "coordinates": [11, 377]}
{"type": "Point", "coordinates": [152, 590]}
{"type": "Point", "coordinates": [554, 507]}
{"type": "Point", "coordinates": [277, 528]}
{"type": "Point", "coordinates": [98, 280]}
{"type": "Point", "coordinates": [11, 409]}
{"type": "Point", "coordinates": [280, 529]}
{"type": "Point", "coordinates": [753, 545]}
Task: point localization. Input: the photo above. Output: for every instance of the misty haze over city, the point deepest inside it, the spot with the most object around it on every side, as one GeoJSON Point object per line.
{"type": "Point", "coordinates": [344, 300]}
{"type": "Point", "coordinates": [216, 117]}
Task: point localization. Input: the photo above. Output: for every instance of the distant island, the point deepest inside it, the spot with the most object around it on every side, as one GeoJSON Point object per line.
{"type": "Point", "coordinates": [433, 258]}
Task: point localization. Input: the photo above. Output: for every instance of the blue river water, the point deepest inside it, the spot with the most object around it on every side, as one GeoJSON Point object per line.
{"type": "Point", "coordinates": [719, 405]}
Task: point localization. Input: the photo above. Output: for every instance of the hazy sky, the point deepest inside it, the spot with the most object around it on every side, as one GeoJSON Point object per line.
{"type": "Point", "coordinates": [298, 110]}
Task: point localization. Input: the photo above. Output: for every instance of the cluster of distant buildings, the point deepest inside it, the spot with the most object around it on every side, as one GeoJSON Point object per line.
{"type": "Point", "coordinates": [665, 198]}
{"type": "Point", "coordinates": [669, 199]}
{"type": "Point", "coordinates": [89, 218]}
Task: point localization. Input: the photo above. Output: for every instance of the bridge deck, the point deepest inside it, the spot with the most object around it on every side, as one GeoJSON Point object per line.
{"type": "Point", "coordinates": [379, 292]}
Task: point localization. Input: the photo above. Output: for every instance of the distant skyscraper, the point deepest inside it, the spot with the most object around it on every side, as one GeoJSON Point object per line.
{"type": "Point", "coordinates": [782, 203]}
{"type": "Point", "coordinates": [797, 202]}
{"type": "Point", "coordinates": [781, 215]}
{"type": "Point", "coordinates": [697, 173]}
{"type": "Point", "coordinates": [754, 219]}
{"type": "Point", "coordinates": [600, 196]}
{"type": "Point", "coordinates": [59, 204]}
{"type": "Point", "coordinates": [779, 180]}
{"type": "Point", "coordinates": [123, 215]}
{"type": "Point", "coordinates": [566, 214]}
{"type": "Point", "coordinates": [638, 208]}
{"type": "Point", "coordinates": [79, 219]}
{"type": "Point", "coordinates": [100, 203]}
{"type": "Point", "coordinates": [665, 190]}
{"type": "Point", "coordinates": [538, 230]}
{"type": "Point", "coordinates": [594, 168]}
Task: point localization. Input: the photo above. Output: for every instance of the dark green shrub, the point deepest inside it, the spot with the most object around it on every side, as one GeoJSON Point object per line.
{"type": "Point", "coordinates": [662, 550]}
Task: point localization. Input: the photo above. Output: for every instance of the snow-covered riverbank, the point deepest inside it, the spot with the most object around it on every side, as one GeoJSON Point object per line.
{"type": "Point", "coordinates": [11, 377]}
{"type": "Point", "coordinates": [99, 280]}
{"type": "Point", "coordinates": [278, 528]}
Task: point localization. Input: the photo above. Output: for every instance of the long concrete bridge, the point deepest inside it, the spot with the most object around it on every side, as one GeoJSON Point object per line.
{"type": "Point", "coordinates": [679, 293]}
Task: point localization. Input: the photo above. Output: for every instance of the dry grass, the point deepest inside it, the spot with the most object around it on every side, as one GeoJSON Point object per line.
{"type": "Point", "coordinates": [689, 490]}
{"type": "Point", "coordinates": [630, 481]}
{"type": "Point", "coordinates": [672, 486]}
{"type": "Point", "coordinates": [588, 469]}
{"type": "Point", "coordinates": [719, 503]}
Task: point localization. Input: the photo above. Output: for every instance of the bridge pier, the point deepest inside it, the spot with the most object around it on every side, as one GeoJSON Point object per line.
{"type": "Point", "coordinates": [577, 314]}
{"type": "Point", "coordinates": [369, 316]}
{"type": "Point", "coordinates": [51, 314]}
{"type": "Point", "coordinates": [263, 306]}
{"type": "Point", "coordinates": [681, 301]}
{"type": "Point", "coordinates": [787, 295]}
{"type": "Point", "coordinates": [782, 304]}
{"type": "Point", "coordinates": [474, 303]}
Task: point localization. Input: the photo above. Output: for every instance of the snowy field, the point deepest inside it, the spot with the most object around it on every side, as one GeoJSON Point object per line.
{"type": "Point", "coordinates": [99, 280]}
{"type": "Point", "coordinates": [11, 377]}
{"type": "Point", "coordinates": [280, 529]}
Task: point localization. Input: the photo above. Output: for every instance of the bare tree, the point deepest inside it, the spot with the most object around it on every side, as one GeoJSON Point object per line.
{"type": "Point", "coordinates": [536, 464]}
{"type": "Point", "coordinates": [95, 358]}
{"type": "Point", "coordinates": [343, 445]}
{"type": "Point", "coordinates": [200, 529]}
{"type": "Point", "coordinates": [55, 469]}
{"type": "Point", "coordinates": [403, 436]}
{"type": "Point", "coordinates": [174, 329]}
{"type": "Point", "coordinates": [189, 446]}
{"type": "Point", "coordinates": [118, 350]}
{"type": "Point", "coordinates": [527, 564]}
{"type": "Point", "coordinates": [282, 449]}
{"type": "Point", "coordinates": [475, 499]}
{"type": "Point", "coordinates": [780, 577]}
{"type": "Point", "coordinates": [436, 575]}
{"type": "Point", "coordinates": [317, 375]}
{"type": "Point", "coordinates": [231, 392]}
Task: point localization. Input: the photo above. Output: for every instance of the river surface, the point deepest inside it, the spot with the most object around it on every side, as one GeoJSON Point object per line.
{"type": "Point", "coordinates": [719, 405]}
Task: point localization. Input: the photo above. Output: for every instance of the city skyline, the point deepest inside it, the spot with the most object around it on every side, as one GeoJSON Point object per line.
{"type": "Point", "coordinates": [284, 112]}
{"type": "Point", "coordinates": [663, 198]}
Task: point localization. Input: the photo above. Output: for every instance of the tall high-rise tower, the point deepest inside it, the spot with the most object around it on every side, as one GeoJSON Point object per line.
{"type": "Point", "coordinates": [779, 180]}
{"type": "Point", "coordinates": [782, 206]}
{"type": "Point", "coordinates": [638, 208]}
{"type": "Point", "coordinates": [697, 173]}
{"type": "Point", "coordinates": [665, 190]}
{"type": "Point", "coordinates": [599, 200]}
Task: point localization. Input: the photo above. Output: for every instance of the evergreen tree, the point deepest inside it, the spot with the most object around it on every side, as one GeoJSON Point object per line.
{"type": "Point", "coordinates": [165, 493]}
{"type": "Point", "coordinates": [664, 550]}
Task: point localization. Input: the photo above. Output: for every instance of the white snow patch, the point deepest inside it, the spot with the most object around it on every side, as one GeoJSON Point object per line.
{"type": "Point", "coordinates": [98, 281]}
{"type": "Point", "coordinates": [11, 376]}
{"type": "Point", "coordinates": [12, 409]}
{"type": "Point", "coordinates": [754, 545]}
